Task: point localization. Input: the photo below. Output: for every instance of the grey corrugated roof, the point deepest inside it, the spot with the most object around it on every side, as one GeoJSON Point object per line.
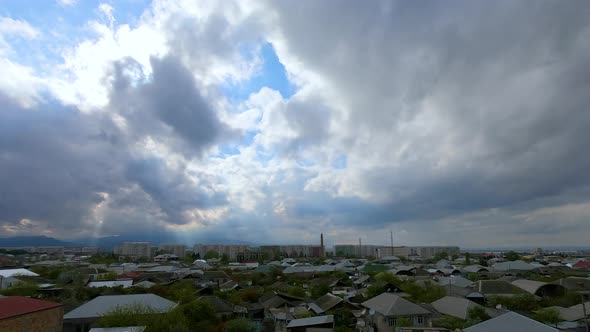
{"type": "Point", "coordinates": [144, 284]}
{"type": "Point", "coordinates": [569, 314]}
{"type": "Point", "coordinates": [530, 286]}
{"type": "Point", "coordinates": [389, 304]}
{"type": "Point", "coordinates": [110, 284]}
{"type": "Point", "coordinates": [474, 268]}
{"type": "Point", "coordinates": [497, 287]}
{"type": "Point", "coordinates": [515, 265]}
{"type": "Point", "coordinates": [317, 320]}
{"type": "Point", "coordinates": [454, 306]}
{"type": "Point", "coordinates": [510, 322]}
{"type": "Point", "coordinates": [326, 302]}
{"type": "Point", "coordinates": [119, 329]}
{"type": "Point", "coordinates": [104, 304]}
{"type": "Point", "coordinates": [455, 281]}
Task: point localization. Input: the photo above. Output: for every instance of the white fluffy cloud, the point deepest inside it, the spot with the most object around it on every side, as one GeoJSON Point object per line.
{"type": "Point", "coordinates": [465, 118]}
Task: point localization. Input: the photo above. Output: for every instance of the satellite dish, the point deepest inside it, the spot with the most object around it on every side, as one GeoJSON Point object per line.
{"type": "Point", "coordinates": [364, 311]}
{"type": "Point", "coordinates": [372, 312]}
{"type": "Point", "coordinates": [498, 306]}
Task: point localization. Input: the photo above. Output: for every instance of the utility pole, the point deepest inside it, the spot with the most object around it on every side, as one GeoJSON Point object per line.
{"type": "Point", "coordinates": [391, 234]}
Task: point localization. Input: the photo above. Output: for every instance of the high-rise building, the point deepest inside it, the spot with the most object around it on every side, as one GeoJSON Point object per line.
{"type": "Point", "coordinates": [174, 249]}
{"type": "Point", "coordinates": [136, 249]}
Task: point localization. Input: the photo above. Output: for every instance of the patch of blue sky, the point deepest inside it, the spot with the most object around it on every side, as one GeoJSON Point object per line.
{"type": "Point", "coordinates": [272, 74]}
{"type": "Point", "coordinates": [226, 150]}
{"type": "Point", "coordinates": [61, 26]}
{"type": "Point", "coordinates": [340, 162]}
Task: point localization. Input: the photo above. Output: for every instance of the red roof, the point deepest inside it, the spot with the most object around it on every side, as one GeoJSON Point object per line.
{"type": "Point", "coordinates": [582, 264]}
{"type": "Point", "coordinates": [11, 306]}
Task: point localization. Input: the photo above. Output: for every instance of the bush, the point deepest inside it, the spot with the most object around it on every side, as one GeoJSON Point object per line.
{"type": "Point", "coordinates": [240, 325]}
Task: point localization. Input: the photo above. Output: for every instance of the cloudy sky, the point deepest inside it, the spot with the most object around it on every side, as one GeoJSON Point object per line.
{"type": "Point", "coordinates": [462, 122]}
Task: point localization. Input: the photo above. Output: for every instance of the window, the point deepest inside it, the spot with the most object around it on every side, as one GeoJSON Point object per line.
{"type": "Point", "coordinates": [392, 322]}
{"type": "Point", "coordinates": [420, 320]}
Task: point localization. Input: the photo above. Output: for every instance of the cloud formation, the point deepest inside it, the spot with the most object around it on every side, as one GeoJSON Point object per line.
{"type": "Point", "coordinates": [453, 119]}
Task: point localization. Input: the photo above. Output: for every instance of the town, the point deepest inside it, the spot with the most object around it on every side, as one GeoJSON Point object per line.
{"type": "Point", "coordinates": [293, 288]}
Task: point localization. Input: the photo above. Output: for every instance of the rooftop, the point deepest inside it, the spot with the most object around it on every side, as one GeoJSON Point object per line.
{"type": "Point", "coordinates": [11, 306]}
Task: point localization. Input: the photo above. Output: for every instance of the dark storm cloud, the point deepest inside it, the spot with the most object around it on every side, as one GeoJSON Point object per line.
{"type": "Point", "coordinates": [57, 163]}
{"type": "Point", "coordinates": [506, 83]}
{"type": "Point", "coordinates": [54, 161]}
{"type": "Point", "coordinates": [167, 105]}
{"type": "Point", "coordinates": [173, 191]}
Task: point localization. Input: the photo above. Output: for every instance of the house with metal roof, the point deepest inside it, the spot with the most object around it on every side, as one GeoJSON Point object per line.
{"type": "Point", "coordinates": [515, 266]}
{"type": "Point", "coordinates": [538, 288]}
{"type": "Point", "coordinates": [387, 308]}
{"type": "Point", "coordinates": [86, 315]}
{"type": "Point", "coordinates": [455, 281]}
{"type": "Point", "coordinates": [110, 284]}
{"type": "Point", "coordinates": [310, 323]}
{"type": "Point", "coordinates": [24, 314]}
{"type": "Point", "coordinates": [510, 322]}
{"type": "Point", "coordinates": [457, 307]}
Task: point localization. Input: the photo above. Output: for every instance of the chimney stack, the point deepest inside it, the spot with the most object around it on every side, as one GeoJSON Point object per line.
{"type": "Point", "coordinates": [322, 245]}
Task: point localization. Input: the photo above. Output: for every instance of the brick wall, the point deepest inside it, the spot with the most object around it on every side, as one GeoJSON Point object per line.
{"type": "Point", "coordinates": [49, 320]}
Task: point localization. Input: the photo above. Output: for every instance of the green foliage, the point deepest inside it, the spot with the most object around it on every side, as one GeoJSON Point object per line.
{"type": "Point", "coordinates": [449, 322]}
{"type": "Point", "coordinates": [137, 315]}
{"type": "Point", "coordinates": [21, 289]}
{"type": "Point", "coordinates": [567, 300]}
{"type": "Point", "coordinates": [518, 302]}
{"type": "Point", "coordinates": [103, 259]}
{"type": "Point", "coordinates": [319, 290]}
{"type": "Point", "coordinates": [512, 256]}
{"type": "Point", "coordinates": [211, 254]}
{"type": "Point", "coordinates": [467, 258]}
{"type": "Point", "coordinates": [473, 276]}
{"type": "Point", "coordinates": [49, 272]}
{"type": "Point", "coordinates": [476, 315]}
{"type": "Point", "coordinates": [548, 316]}
{"type": "Point", "coordinates": [224, 259]}
{"type": "Point", "coordinates": [403, 322]}
{"type": "Point", "coordinates": [296, 291]}
{"type": "Point", "coordinates": [240, 325]}
{"type": "Point", "coordinates": [108, 276]}
{"type": "Point", "coordinates": [441, 255]}
{"type": "Point", "coordinates": [429, 293]}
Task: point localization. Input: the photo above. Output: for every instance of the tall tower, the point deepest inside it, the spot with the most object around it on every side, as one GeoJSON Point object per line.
{"type": "Point", "coordinates": [322, 249]}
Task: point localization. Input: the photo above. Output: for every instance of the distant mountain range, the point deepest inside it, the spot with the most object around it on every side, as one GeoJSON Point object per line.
{"type": "Point", "coordinates": [33, 241]}
{"type": "Point", "coordinates": [106, 243]}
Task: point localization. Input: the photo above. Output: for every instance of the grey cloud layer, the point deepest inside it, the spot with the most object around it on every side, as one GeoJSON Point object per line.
{"type": "Point", "coordinates": [444, 112]}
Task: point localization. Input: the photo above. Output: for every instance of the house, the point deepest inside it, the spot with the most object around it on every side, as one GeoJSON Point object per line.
{"type": "Point", "coordinates": [514, 266]}
{"type": "Point", "coordinates": [119, 329]}
{"type": "Point", "coordinates": [581, 265]}
{"type": "Point", "coordinates": [457, 307]}
{"type": "Point", "coordinates": [325, 303]}
{"type": "Point", "coordinates": [541, 289]}
{"type": "Point", "coordinates": [17, 272]}
{"type": "Point", "coordinates": [24, 314]}
{"type": "Point", "coordinates": [110, 284]}
{"type": "Point", "coordinates": [85, 316]}
{"type": "Point", "coordinates": [575, 284]}
{"type": "Point", "coordinates": [466, 293]}
{"type": "Point", "coordinates": [510, 322]}
{"type": "Point", "coordinates": [475, 269]}
{"type": "Point", "coordinates": [496, 288]}
{"type": "Point", "coordinates": [388, 308]}
{"type": "Point", "coordinates": [318, 323]}
{"type": "Point", "coordinates": [455, 281]}
{"type": "Point", "coordinates": [223, 309]}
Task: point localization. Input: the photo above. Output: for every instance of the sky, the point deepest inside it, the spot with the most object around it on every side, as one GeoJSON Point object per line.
{"type": "Point", "coordinates": [448, 123]}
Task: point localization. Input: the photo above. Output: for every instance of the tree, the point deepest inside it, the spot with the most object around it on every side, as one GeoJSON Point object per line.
{"type": "Point", "coordinates": [319, 290]}
{"type": "Point", "coordinates": [224, 259]}
{"type": "Point", "coordinates": [476, 314]}
{"type": "Point", "coordinates": [548, 316]}
{"type": "Point", "coordinates": [240, 325]}
{"type": "Point", "coordinates": [211, 254]}
{"type": "Point", "coordinates": [467, 258]}
{"type": "Point", "coordinates": [135, 315]}
{"type": "Point", "coordinates": [449, 322]}
{"type": "Point", "coordinates": [403, 322]}
{"type": "Point", "coordinates": [441, 255]}
{"type": "Point", "coordinates": [512, 256]}
{"type": "Point", "coordinates": [296, 291]}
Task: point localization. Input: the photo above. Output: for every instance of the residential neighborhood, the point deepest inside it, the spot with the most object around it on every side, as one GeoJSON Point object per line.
{"type": "Point", "coordinates": [217, 290]}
